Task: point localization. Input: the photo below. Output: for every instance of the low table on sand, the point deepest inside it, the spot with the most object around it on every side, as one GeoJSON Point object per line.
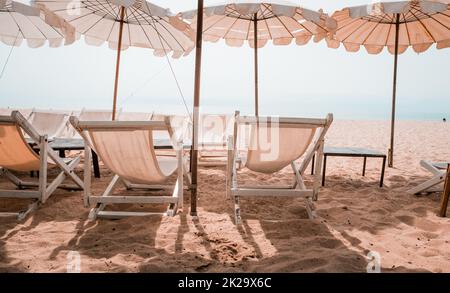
{"type": "Point", "coordinates": [77, 144]}
{"type": "Point", "coordinates": [352, 152]}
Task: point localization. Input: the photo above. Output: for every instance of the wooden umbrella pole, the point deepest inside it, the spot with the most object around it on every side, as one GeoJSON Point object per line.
{"type": "Point", "coordinates": [394, 93]}
{"type": "Point", "coordinates": [446, 194]}
{"type": "Point", "coordinates": [195, 114]}
{"type": "Point", "coordinates": [255, 40]}
{"type": "Point", "coordinates": [119, 46]}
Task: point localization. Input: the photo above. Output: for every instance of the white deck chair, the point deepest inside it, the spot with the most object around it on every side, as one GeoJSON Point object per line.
{"type": "Point", "coordinates": [51, 123]}
{"type": "Point", "coordinates": [276, 143]}
{"type": "Point", "coordinates": [17, 155]}
{"type": "Point", "coordinates": [213, 133]}
{"type": "Point", "coordinates": [438, 171]}
{"type": "Point", "coordinates": [126, 148]}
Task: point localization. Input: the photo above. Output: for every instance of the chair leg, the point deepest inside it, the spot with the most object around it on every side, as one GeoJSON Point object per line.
{"type": "Point", "coordinates": [237, 211]}
{"type": "Point", "coordinates": [31, 208]}
{"type": "Point", "coordinates": [310, 208]}
{"type": "Point", "coordinates": [427, 184]}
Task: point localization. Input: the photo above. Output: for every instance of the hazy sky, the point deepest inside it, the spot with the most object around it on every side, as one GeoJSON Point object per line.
{"type": "Point", "coordinates": [294, 80]}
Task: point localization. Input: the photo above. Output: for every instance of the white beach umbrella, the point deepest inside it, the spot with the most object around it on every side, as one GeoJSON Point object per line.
{"type": "Point", "coordinates": [258, 22]}
{"type": "Point", "coordinates": [397, 26]}
{"type": "Point", "coordinates": [124, 23]}
{"type": "Point", "coordinates": [20, 22]}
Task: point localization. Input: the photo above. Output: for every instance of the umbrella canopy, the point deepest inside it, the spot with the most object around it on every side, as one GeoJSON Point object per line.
{"type": "Point", "coordinates": [20, 22]}
{"type": "Point", "coordinates": [397, 26]}
{"type": "Point", "coordinates": [258, 23]}
{"type": "Point", "coordinates": [421, 24]}
{"type": "Point", "coordinates": [124, 23]}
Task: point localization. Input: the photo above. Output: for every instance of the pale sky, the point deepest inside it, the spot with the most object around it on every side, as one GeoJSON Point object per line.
{"type": "Point", "coordinates": [294, 80]}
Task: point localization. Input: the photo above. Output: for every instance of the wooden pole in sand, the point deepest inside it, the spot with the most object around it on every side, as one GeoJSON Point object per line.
{"type": "Point", "coordinates": [255, 44]}
{"type": "Point", "coordinates": [446, 194]}
{"type": "Point", "coordinates": [394, 93]}
{"type": "Point", "coordinates": [195, 114]}
{"type": "Point", "coordinates": [119, 46]}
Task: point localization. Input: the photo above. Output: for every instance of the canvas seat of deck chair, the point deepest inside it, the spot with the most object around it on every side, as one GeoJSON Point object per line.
{"type": "Point", "coordinates": [438, 171]}
{"type": "Point", "coordinates": [51, 123]}
{"type": "Point", "coordinates": [126, 148]}
{"type": "Point", "coordinates": [17, 156]}
{"type": "Point", "coordinates": [272, 144]}
{"type": "Point", "coordinates": [213, 133]}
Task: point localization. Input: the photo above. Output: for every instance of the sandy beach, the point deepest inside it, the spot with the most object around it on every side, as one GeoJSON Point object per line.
{"type": "Point", "coordinates": [355, 216]}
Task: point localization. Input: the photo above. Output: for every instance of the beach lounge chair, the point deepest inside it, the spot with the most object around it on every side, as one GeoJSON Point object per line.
{"type": "Point", "coordinates": [438, 171]}
{"type": "Point", "coordinates": [213, 134]}
{"type": "Point", "coordinates": [51, 123]}
{"type": "Point", "coordinates": [275, 143]}
{"type": "Point", "coordinates": [126, 148]}
{"type": "Point", "coordinates": [17, 155]}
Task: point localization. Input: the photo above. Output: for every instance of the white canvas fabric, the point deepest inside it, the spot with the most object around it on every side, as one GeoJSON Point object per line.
{"type": "Point", "coordinates": [37, 26]}
{"type": "Point", "coordinates": [15, 153]}
{"type": "Point", "coordinates": [130, 154]}
{"type": "Point", "coordinates": [272, 148]}
{"type": "Point", "coordinates": [422, 23]}
{"type": "Point", "coordinates": [278, 21]}
{"type": "Point", "coordinates": [145, 25]}
{"type": "Point", "coordinates": [48, 123]}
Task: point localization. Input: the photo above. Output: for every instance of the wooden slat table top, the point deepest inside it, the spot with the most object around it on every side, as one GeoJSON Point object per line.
{"type": "Point", "coordinates": [352, 152]}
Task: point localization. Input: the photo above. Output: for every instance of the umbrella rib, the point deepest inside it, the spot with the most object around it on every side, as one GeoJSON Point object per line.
{"type": "Point", "coordinates": [94, 24]}
{"type": "Point", "coordinates": [128, 26]}
{"type": "Point", "coordinates": [248, 30]}
{"type": "Point", "coordinates": [112, 9]}
{"type": "Point", "coordinates": [389, 32]}
{"type": "Point", "coordinates": [231, 26]}
{"type": "Point", "coordinates": [425, 28]}
{"type": "Point", "coordinates": [357, 28]}
{"type": "Point", "coordinates": [276, 16]}
{"type": "Point", "coordinates": [431, 17]}
{"type": "Point", "coordinates": [266, 9]}
{"type": "Point", "coordinates": [222, 18]}
{"type": "Point", "coordinates": [18, 26]}
{"type": "Point", "coordinates": [54, 29]}
{"type": "Point", "coordinates": [374, 28]}
{"type": "Point", "coordinates": [301, 24]}
{"type": "Point", "coordinates": [350, 23]}
{"type": "Point", "coordinates": [161, 22]}
{"type": "Point", "coordinates": [143, 30]}
{"type": "Point", "coordinates": [268, 29]}
{"type": "Point", "coordinates": [110, 32]}
{"type": "Point", "coordinates": [154, 23]}
{"type": "Point", "coordinates": [407, 30]}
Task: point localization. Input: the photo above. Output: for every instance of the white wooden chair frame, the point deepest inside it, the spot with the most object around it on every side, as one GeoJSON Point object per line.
{"type": "Point", "coordinates": [44, 189]}
{"type": "Point", "coordinates": [438, 177]}
{"type": "Point", "coordinates": [101, 201]}
{"type": "Point", "coordinates": [298, 188]}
